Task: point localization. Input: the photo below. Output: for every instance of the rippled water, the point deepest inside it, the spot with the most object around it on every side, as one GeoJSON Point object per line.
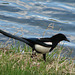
{"type": "Point", "coordinates": [38, 18]}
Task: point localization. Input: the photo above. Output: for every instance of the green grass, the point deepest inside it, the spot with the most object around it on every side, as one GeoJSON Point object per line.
{"type": "Point", "coordinates": [13, 61]}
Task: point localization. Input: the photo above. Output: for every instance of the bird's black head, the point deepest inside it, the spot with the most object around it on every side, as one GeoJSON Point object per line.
{"type": "Point", "coordinates": [59, 37]}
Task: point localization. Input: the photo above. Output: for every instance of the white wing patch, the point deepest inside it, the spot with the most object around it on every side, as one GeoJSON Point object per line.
{"type": "Point", "coordinates": [43, 49]}
{"type": "Point", "coordinates": [49, 43]}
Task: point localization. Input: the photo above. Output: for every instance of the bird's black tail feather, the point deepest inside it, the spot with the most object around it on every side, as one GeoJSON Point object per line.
{"type": "Point", "coordinates": [22, 39]}
{"type": "Point", "coordinates": [14, 37]}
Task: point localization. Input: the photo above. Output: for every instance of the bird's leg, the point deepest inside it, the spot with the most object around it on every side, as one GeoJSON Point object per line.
{"type": "Point", "coordinates": [44, 57]}
{"type": "Point", "coordinates": [51, 49]}
{"type": "Point", "coordinates": [33, 53]}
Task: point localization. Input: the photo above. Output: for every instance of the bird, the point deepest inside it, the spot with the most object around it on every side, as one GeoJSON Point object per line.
{"type": "Point", "coordinates": [40, 45]}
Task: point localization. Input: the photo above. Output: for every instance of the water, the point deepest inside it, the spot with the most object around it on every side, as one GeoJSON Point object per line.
{"type": "Point", "coordinates": [31, 18]}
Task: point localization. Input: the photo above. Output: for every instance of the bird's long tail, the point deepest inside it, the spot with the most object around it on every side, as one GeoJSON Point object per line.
{"type": "Point", "coordinates": [14, 37]}
{"type": "Point", "coordinates": [23, 40]}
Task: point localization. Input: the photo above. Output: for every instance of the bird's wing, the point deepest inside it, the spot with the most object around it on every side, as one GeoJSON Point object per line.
{"type": "Point", "coordinates": [37, 41]}
{"type": "Point", "coordinates": [45, 39]}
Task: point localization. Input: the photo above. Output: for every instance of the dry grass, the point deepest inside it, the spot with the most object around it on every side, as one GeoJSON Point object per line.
{"type": "Point", "coordinates": [10, 60]}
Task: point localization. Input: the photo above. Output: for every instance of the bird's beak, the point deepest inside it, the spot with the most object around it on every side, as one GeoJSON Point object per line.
{"type": "Point", "coordinates": [67, 40]}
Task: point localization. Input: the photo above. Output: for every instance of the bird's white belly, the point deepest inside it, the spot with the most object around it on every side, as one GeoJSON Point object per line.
{"type": "Point", "coordinates": [43, 49]}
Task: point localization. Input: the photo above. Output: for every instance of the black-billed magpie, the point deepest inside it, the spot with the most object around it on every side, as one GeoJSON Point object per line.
{"type": "Point", "coordinates": [40, 45]}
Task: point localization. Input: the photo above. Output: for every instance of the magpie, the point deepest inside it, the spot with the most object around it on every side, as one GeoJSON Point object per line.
{"type": "Point", "coordinates": [40, 45]}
